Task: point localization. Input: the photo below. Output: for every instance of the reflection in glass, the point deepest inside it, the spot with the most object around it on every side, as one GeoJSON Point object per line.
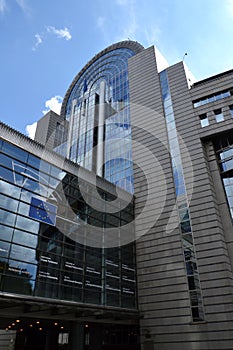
{"type": "Point", "coordinates": [182, 204]}
{"type": "Point", "coordinates": [8, 203]}
{"type": "Point", "coordinates": [25, 238]}
{"type": "Point", "coordinates": [6, 233]}
{"type": "Point", "coordinates": [37, 259]}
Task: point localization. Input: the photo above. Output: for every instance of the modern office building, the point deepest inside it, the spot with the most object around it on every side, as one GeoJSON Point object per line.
{"type": "Point", "coordinates": [58, 280]}
{"type": "Point", "coordinates": [117, 220]}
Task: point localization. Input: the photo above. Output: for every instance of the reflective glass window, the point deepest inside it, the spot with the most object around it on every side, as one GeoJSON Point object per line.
{"type": "Point", "coordinates": [7, 218]}
{"type": "Point", "coordinates": [179, 183]}
{"type": "Point", "coordinates": [14, 151]}
{"type": "Point", "coordinates": [31, 225]}
{"type": "Point", "coordinates": [8, 203]}
{"type": "Point", "coordinates": [6, 174]}
{"type": "Point", "coordinates": [19, 252]}
{"type": "Point", "coordinates": [4, 249]}
{"type": "Point", "coordinates": [25, 238]}
{"type": "Point", "coordinates": [9, 189]}
{"type": "Point", "coordinates": [218, 115]}
{"type": "Point", "coordinates": [204, 120]}
{"type": "Point", "coordinates": [212, 98]}
{"type": "Point", "coordinates": [231, 110]}
{"type": "Point", "coordinates": [6, 233]}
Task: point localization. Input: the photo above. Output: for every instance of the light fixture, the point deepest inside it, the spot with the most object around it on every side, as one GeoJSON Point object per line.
{"type": "Point", "coordinates": [55, 323]}
{"type": "Point", "coordinates": [17, 321]}
{"type": "Point", "coordinates": [38, 322]}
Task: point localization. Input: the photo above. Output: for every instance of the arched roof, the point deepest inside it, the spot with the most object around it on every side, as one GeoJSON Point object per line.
{"type": "Point", "coordinates": [133, 45]}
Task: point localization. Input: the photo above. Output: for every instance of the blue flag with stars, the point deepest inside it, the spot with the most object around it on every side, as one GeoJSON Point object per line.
{"type": "Point", "coordinates": [43, 211]}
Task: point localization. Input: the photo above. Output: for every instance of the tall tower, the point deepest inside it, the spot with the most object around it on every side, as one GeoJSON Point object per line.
{"type": "Point", "coordinates": [97, 112]}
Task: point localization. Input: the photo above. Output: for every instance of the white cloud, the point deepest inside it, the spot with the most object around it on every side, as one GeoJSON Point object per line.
{"type": "Point", "coordinates": [3, 6]}
{"type": "Point", "coordinates": [152, 34]}
{"type": "Point", "coordinates": [31, 130]}
{"type": "Point", "coordinates": [38, 41]}
{"type": "Point", "coordinates": [100, 22]}
{"type": "Point", "coordinates": [130, 26]}
{"type": "Point", "coordinates": [54, 104]}
{"type": "Point", "coordinates": [21, 3]}
{"type": "Point", "coordinates": [24, 7]}
{"type": "Point", "coordinates": [60, 33]}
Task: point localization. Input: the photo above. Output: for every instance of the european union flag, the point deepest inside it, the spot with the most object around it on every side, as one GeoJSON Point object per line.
{"type": "Point", "coordinates": [43, 211]}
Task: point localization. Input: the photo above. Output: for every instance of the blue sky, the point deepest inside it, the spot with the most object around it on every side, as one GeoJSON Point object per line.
{"type": "Point", "coordinates": [44, 44]}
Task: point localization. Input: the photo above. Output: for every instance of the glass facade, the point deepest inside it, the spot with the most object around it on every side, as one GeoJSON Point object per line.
{"type": "Point", "coordinates": [99, 103]}
{"type": "Point", "coordinates": [182, 204]}
{"type": "Point", "coordinates": [39, 252]}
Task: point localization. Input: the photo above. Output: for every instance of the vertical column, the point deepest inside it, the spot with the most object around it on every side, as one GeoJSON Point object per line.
{"type": "Point", "coordinates": [96, 337]}
{"type": "Point", "coordinates": [51, 340]}
{"type": "Point", "coordinates": [74, 102]}
{"type": "Point", "coordinates": [100, 144]}
{"type": "Point", "coordinates": [76, 337]}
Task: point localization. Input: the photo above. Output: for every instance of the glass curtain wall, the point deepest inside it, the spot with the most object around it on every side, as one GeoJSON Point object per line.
{"type": "Point", "coordinates": [182, 204]}
{"type": "Point", "coordinates": [38, 254]}
{"type": "Point", "coordinates": [104, 82]}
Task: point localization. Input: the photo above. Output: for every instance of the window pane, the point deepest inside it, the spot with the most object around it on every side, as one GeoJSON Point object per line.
{"type": "Point", "coordinates": [22, 253]}
{"type": "Point", "coordinates": [204, 120]}
{"type": "Point", "coordinates": [7, 218]}
{"type": "Point", "coordinates": [14, 151]}
{"type": "Point", "coordinates": [6, 233]}
{"type": "Point", "coordinates": [25, 238]}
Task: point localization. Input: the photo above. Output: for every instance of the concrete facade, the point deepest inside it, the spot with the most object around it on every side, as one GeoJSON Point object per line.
{"type": "Point", "coordinates": [162, 282]}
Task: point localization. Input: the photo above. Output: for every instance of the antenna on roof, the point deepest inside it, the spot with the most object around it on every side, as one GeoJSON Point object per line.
{"type": "Point", "coordinates": [184, 56]}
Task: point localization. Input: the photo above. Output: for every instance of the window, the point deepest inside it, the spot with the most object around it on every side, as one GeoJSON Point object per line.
{"type": "Point", "coordinates": [60, 134]}
{"type": "Point", "coordinates": [183, 211]}
{"type": "Point", "coordinates": [231, 109]}
{"type": "Point", "coordinates": [204, 120]}
{"type": "Point", "coordinates": [212, 98]}
{"type": "Point", "coordinates": [219, 115]}
{"type": "Point", "coordinates": [224, 150]}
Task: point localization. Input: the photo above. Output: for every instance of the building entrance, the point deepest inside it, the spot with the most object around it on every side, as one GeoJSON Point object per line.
{"type": "Point", "coordinates": [43, 334]}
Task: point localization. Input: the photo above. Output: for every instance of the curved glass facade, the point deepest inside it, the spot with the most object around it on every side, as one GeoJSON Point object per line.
{"type": "Point", "coordinates": [97, 109]}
